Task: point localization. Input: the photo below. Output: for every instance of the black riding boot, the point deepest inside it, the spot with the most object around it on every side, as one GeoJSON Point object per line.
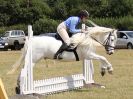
{"type": "Point", "coordinates": [63, 47]}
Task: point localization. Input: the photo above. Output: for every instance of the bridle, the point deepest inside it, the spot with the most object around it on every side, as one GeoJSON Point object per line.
{"type": "Point", "coordinates": [106, 43]}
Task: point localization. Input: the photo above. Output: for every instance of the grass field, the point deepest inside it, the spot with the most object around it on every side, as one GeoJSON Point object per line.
{"type": "Point", "coordinates": [118, 86]}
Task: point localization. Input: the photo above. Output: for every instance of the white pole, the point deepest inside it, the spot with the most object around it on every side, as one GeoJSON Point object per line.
{"type": "Point", "coordinates": [29, 59]}
{"type": "Point", "coordinates": [88, 71]}
{"type": "Point", "coordinates": [30, 32]}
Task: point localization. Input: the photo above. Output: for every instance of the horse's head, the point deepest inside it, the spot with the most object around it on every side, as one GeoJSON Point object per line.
{"type": "Point", "coordinates": [105, 36]}
{"type": "Point", "coordinates": [110, 42]}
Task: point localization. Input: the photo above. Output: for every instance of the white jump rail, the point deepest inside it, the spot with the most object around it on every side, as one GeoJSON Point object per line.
{"type": "Point", "coordinates": [52, 85]}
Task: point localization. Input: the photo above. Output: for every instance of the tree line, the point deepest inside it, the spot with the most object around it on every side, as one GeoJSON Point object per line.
{"type": "Point", "coordinates": [45, 15]}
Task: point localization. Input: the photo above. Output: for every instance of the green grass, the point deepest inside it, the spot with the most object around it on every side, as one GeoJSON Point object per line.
{"type": "Point", "coordinates": [118, 86]}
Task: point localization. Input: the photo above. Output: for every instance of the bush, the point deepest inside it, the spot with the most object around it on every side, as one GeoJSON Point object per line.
{"type": "Point", "coordinates": [2, 30]}
{"type": "Point", "coordinates": [122, 23]}
{"type": "Point", "coordinates": [44, 25]}
{"type": "Point", "coordinates": [125, 23]}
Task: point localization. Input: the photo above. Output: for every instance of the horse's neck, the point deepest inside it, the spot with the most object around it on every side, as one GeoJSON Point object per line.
{"type": "Point", "coordinates": [77, 38]}
{"type": "Point", "coordinates": [99, 33]}
{"type": "Point", "coordinates": [82, 39]}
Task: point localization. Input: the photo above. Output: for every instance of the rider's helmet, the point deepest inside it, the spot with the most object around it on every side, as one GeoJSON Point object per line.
{"type": "Point", "coordinates": [83, 13]}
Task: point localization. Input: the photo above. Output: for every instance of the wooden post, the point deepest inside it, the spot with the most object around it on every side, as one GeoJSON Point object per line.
{"type": "Point", "coordinates": [3, 94]}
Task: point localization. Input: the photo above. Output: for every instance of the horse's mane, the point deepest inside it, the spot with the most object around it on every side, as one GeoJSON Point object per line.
{"type": "Point", "coordinates": [96, 30]}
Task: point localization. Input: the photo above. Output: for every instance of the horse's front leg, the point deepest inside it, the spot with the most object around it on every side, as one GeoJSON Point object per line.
{"type": "Point", "coordinates": [105, 65]}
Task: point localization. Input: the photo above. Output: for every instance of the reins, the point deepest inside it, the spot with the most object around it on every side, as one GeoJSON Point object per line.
{"type": "Point", "coordinates": [106, 42]}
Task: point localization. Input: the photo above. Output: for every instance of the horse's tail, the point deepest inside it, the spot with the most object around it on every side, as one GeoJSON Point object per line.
{"type": "Point", "coordinates": [20, 60]}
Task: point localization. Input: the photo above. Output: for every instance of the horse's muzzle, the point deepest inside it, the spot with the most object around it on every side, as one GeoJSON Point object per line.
{"type": "Point", "coordinates": [110, 52]}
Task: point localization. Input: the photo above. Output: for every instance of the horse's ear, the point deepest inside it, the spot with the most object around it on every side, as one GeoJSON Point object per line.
{"type": "Point", "coordinates": [115, 29]}
{"type": "Point", "coordinates": [115, 32]}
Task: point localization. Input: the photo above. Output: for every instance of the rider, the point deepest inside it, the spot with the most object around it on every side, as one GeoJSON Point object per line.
{"type": "Point", "coordinates": [70, 24]}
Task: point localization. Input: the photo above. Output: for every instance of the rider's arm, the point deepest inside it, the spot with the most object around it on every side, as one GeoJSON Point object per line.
{"type": "Point", "coordinates": [73, 24]}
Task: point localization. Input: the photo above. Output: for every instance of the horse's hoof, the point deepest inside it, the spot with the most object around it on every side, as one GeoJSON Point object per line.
{"type": "Point", "coordinates": [110, 70]}
{"type": "Point", "coordinates": [17, 89]}
{"type": "Point", "coordinates": [103, 71]}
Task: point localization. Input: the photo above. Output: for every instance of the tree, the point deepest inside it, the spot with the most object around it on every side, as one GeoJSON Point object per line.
{"type": "Point", "coordinates": [45, 25]}
{"type": "Point", "coordinates": [117, 8]}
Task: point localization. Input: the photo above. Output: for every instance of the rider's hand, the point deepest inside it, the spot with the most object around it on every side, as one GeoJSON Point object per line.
{"type": "Point", "coordinates": [82, 30]}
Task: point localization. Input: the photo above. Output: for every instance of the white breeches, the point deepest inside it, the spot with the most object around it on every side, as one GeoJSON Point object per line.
{"type": "Point", "coordinates": [62, 31]}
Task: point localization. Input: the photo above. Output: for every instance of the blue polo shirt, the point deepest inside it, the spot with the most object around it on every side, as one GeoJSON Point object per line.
{"type": "Point", "coordinates": [71, 24]}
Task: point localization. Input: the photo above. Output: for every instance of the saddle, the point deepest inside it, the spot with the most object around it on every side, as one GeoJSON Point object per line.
{"type": "Point", "coordinates": [57, 36]}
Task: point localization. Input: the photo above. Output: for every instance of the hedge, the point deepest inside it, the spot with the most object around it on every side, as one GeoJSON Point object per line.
{"type": "Point", "coordinates": [46, 25]}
